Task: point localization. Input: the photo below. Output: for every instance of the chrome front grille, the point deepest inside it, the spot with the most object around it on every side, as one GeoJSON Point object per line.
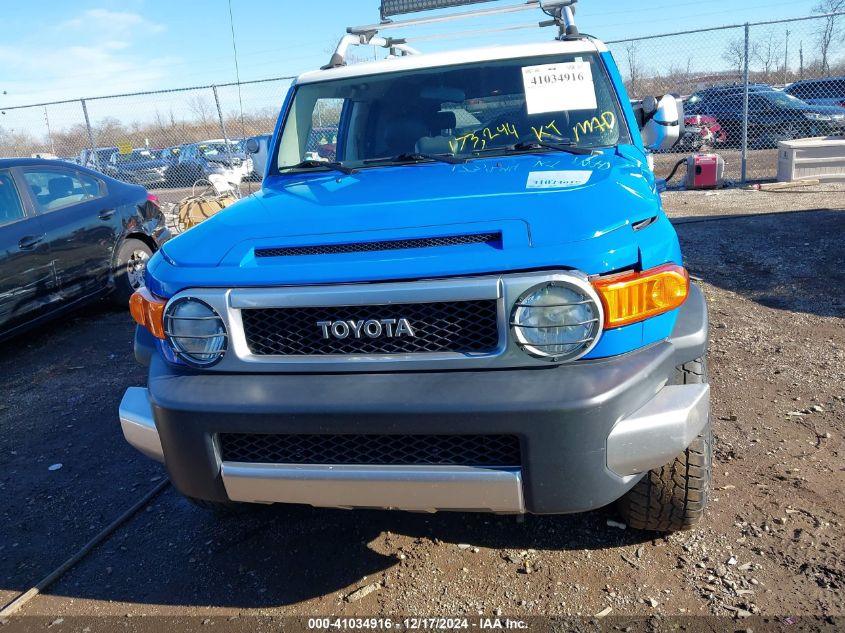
{"type": "Point", "coordinates": [464, 327]}
{"type": "Point", "coordinates": [459, 323]}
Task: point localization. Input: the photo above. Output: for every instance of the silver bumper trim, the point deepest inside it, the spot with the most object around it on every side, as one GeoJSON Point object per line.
{"type": "Point", "coordinates": [139, 427]}
{"type": "Point", "coordinates": [414, 488]}
{"type": "Point", "coordinates": [660, 430]}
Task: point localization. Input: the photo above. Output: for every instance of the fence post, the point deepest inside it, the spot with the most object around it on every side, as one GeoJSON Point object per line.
{"type": "Point", "coordinates": [223, 126]}
{"type": "Point", "coordinates": [91, 142]}
{"type": "Point", "coordinates": [746, 77]}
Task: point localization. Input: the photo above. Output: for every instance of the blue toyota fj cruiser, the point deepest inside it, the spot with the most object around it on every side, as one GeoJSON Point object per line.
{"type": "Point", "coordinates": [472, 301]}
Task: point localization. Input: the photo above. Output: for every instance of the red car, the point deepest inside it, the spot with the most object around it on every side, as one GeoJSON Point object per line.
{"type": "Point", "coordinates": [701, 130]}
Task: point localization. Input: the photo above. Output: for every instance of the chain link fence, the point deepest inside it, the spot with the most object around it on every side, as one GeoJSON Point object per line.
{"type": "Point", "coordinates": [746, 87]}
{"type": "Point", "coordinates": [167, 140]}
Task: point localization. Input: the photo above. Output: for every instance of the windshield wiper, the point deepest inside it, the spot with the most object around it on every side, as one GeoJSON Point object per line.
{"type": "Point", "coordinates": [417, 157]}
{"type": "Point", "coordinates": [315, 164]}
{"type": "Point", "coordinates": [564, 146]}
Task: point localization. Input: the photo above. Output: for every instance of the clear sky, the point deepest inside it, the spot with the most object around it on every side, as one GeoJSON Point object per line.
{"type": "Point", "coordinates": [55, 49]}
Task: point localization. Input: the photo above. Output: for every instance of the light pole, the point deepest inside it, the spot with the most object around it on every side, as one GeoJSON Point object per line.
{"type": "Point", "coordinates": [786, 60]}
{"type": "Point", "coordinates": [49, 132]}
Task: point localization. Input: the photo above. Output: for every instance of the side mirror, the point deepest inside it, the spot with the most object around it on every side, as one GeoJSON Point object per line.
{"type": "Point", "coordinates": [649, 106]}
{"type": "Point", "coordinates": [665, 126]}
{"type": "Point", "coordinates": [252, 146]}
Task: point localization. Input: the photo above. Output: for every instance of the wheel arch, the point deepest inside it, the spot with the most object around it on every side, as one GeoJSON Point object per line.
{"type": "Point", "coordinates": [142, 237]}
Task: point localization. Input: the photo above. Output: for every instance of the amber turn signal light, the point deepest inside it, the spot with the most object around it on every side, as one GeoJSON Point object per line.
{"type": "Point", "coordinates": [148, 311]}
{"type": "Point", "coordinates": [633, 297]}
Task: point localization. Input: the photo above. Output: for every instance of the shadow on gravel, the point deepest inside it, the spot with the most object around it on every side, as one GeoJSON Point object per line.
{"type": "Point", "coordinates": [175, 554]}
{"type": "Point", "coordinates": [791, 261]}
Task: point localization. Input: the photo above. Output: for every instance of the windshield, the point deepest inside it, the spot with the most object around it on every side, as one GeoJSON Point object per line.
{"type": "Point", "coordinates": [782, 99]}
{"type": "Point", "coordinates": [218, 149]}
{"type": "Point", "coordinates": [482, 109]}
{"type": "Point", "coordinates": [135, 157]}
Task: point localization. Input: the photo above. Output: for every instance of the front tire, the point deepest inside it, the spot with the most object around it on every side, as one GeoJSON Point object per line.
{"type": "Point", "coordinates": [130, 265]}
{"type": "Point", "coordinates": [674, 497]}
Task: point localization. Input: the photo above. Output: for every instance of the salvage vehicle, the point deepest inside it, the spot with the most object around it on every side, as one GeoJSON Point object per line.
{"type": "Point", "coordinates": [701, 131]}
{"type": "Point", "coordinates": [96, 158]}
{"type": "Point", "coordinates": [69, 235]}
{"type": "Point", "coordinates": [140, 167]}
{"type": "Point", "coordinates": [200, 161]}
{"type": "Point", "coordinates": [478, 305]}
{"type": "Point", "coordinates": [773, 115]}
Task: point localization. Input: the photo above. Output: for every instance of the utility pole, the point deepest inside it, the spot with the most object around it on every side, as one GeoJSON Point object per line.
{"type": "Point", "coordinates": [49, 132]}
{"type": "Point", "coordinates": [801, 54]}
{"type": "Point", "coordinates": [786, 59]}
{"type": "Point", "coordinates": [745, 100]}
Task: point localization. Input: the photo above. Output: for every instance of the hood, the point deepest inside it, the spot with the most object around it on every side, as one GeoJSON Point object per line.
{"type": "Point", "coordinates": [829, 110]}
{"type": "Point", "coordinates": [819, 109]}
{"type": "Point", "coordinates": [236, 157]}
{"type": "Point", "coordinates": [144, 166]}
{"type": "Point", "coordinates": [541, 206]}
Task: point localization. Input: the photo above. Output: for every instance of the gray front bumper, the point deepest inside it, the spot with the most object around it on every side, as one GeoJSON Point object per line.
{"type": "Point", "coordinates": [647, 439]}
{"type": "Point", "coordinates": [139, 427]}
{"type": "Point", "coordinates": [587, 430]}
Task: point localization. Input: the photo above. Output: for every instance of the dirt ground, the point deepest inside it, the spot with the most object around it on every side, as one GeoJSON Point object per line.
{"type": "Point", "coordinates": [771, 546]}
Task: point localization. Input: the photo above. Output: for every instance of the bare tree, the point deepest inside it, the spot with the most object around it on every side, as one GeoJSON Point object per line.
{"type": "Point", "coordinates": [734, 54]}
{"type": "Point", "coordinates": [631, 51]}
{"type": "Point", "coordinates": [829, 31]}
{"type": "Point", "coordinates": [201, 109]}
{"type": "Point", "coordinates": [769, 52]}
{"type": "Point", "coordinates": [110, 130]}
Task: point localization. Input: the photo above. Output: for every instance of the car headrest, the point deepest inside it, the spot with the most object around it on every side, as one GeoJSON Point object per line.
{"type": "Point", "coordinates": [60, 187]}
{"type": "Point", "coordinates": [434, 145]}
{"type": "Point", "coordinates": [401, 135]}
{"type": "Point", "coordinates": [444, 121]}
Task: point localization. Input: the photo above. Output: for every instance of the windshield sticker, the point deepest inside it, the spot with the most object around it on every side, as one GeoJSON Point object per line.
{"type": "Point", "coordinates": [557, 179]}
{"type": "Point", "coordinates": [559, 87]}
{"type": "Point", "coordinates": [605, 123]}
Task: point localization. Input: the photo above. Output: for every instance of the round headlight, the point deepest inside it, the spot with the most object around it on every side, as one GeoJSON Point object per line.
{"type": "Point", "coordinates": [559, 321]}
{"type": "Point", "coordinates": [195, 331]}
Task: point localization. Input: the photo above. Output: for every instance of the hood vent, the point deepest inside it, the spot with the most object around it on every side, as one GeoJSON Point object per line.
{"type": "Point", "coordinates": [491, 239]}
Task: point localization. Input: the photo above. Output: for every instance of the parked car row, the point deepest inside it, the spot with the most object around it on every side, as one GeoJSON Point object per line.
{"type": "Point", "coordinates": [199, 161]}
{"type": "Point", "coordinates": [773, 115]}
{"type": "Point", "coordinates": [177, 166]}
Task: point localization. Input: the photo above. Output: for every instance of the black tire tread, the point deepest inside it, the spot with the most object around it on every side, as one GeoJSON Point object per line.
{"type": "Point", "coordinates": [674, 497]}
{"type": "Point", "coordinates": [122, 290]}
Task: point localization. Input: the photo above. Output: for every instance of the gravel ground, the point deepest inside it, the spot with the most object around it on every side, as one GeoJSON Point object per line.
{"type": "Point", "coordinates": [771, 545]}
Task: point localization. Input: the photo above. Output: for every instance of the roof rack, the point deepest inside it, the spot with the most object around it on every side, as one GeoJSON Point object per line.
{"type": "Point", "coordinates": [561, 12]}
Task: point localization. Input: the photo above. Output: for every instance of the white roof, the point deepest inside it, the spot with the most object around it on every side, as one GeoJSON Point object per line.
{"type": "Point", "coordinates": [451, 58]}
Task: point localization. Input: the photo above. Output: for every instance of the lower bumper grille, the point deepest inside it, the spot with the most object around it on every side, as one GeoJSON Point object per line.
{"type": "Point", "coordinates": [372, 450]}
{"type": "Point", "coordinates": [451, 326]}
